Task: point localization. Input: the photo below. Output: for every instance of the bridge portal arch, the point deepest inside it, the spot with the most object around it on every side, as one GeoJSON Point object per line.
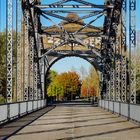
{"type": "Point", "coordinates": [97, 73]}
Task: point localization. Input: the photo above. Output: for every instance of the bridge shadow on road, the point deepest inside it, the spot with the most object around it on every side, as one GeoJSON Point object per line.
{"type": "Point", "coordinates": [67, 128]}
{"type": "Point", "coordinates": [12, 128]}
{"type": "Point", "coordinates": [70, 121]}
{"type": "Point", "coordinates": [99, 134]}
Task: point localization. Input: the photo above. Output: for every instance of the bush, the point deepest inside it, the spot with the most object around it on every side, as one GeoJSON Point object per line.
{"type": "Point", "coordinates": [2, 100]}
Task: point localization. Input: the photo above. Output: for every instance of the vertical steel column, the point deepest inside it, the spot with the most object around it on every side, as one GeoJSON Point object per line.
{"type": "Point", "coordinates": [118, 64]}
{"type": "Point", "coordinates": [26, 50]}
{"type": "Point", "coordinates": [123, 52]}
{"type": "Point", "coordinates": [31, 48]}
{"type": "Point", "coordinates": [31, 69]}
{"type": "Point", "coordinates": [43, 82]}
{"type": "Point", "coordinates": [42, 76]}
{"type": "Point", "coordinates": [115, 45]}
{"type": "Point", "coordinates": [112, 84]}
{"type": "Point", "coordinates": [34, 72]}
{"type": "Point", "coordinates": [31, 63]}
{"type": "Point", "coordinates": [118, 79]}
{"type": "Point", "coordinates": [108, 90]}
{"type": "Point", "coordinates": [138, 63]}
{"type": "Point", "coordinates": [35, 81]}
{"type": "Point", "coordinates": [19, 51]}
{"type": "Point", "coordinates": [40, 63]}
{"type": "Point", "coordinates": [123, 78]}
{"type": "Point", "coordinates": [22, 56]}
{"type": "Point", "coordinates": [41, 72]}
{"type": "Point", "coordinates": [36, 91]}
{"type": "Point", "coordinates": [132, 50]}
{"type": "Point", "coordinates": [9, 46]}
{"type": "Point", "coordinates": [106, 52]}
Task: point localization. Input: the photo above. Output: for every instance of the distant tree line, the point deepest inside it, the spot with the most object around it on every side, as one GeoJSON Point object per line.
{"type": "Point", "coordinates": [64, 86]}
{"type": "Point", "coordinates": [69, 85]}
{"type": "Point", "coordinates": [90, 83]}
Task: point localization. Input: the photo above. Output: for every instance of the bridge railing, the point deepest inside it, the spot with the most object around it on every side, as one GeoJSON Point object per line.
{"type": "Point", "coordinates": [130, 111]}
{"type": "Point", "coordinates": [11, 111]}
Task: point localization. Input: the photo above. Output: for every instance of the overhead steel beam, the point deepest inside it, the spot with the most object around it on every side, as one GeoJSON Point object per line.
{"type": "Point", "coordinates": [90, 14]}
{"type": "Point", "coordinates": [69, 20]}
{"type": "Point", "coordinates": [81, 34]}
{"type": "Point", "coordinates": [71, 11]}
{"type": "Point", "coordinates": [84, 2]}
{"type": "Point", "coordinates": [73, 6]}
{"type": "Point", "coordinates": [81, 53]}
{"type": "Point", "coordinates": [60, 2]}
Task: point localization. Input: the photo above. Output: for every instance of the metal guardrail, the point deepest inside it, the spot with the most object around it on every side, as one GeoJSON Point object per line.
{"type": "Point", "coordinates": [11, 111]}
{"type": "Point", "coordinates": [130, 111]}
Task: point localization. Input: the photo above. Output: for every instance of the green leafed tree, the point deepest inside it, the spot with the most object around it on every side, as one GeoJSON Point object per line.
{"type": "Point", "coordinates": [65, 86]}
{"type": "Point", "coordinates": [90, 84]}
{"type": "Point", "coordinates": [2, 65]}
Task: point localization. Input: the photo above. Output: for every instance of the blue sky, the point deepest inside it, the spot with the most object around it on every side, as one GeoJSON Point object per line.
{"type": "Point", "coordinates": [65, 64]}
{"type": "Point", "coordinates": [71, 63]}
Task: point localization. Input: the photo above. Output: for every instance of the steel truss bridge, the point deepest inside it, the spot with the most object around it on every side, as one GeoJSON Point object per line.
{"type": "Point", "coordinates": [113, 58]}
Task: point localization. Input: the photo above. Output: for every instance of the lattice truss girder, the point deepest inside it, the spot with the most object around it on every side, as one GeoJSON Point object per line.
{"type": "Point", "coordinates": [40, 73]}
{"type": "Point", "coordinates": [73, 38]}
{"type": "Point", "coordinates": [19, 53]}
{"type": "Point", "coordinates": [108, 94]}
{"type": "Point", "coordinates": [32, 78]}
{"type": "Point", "coordinates": [118, 80]}
{"type": "Point", "coordinates": [26, 56]}
{"type": "Point", "coordinates": [123, 78]}
{"type": "Point", "coordinates": [132, 50]}
{"type": "Point", "coordinates": [111, 49]}
{"type": "Point", "coordinates": [35, 65]}
{"type": "Point", "coordinates": [9, 46]}
{"type": "Point", "coordinates": [111, 55]}
{"type": "Point", "coordinates": [112, 84]}
{"type": "Point", "coordinates": [124, 64]}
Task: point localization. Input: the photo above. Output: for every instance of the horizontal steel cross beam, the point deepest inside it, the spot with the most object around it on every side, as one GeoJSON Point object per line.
{"type": "Point", "coordinates": [74, 6]}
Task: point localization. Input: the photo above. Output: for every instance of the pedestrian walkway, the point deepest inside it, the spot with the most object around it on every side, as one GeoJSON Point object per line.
{"type": "Point", "coordinates": [79, 122]}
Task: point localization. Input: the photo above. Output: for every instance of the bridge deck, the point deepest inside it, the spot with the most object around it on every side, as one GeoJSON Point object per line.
{"type": "Point", "coordinates": [79, 122]}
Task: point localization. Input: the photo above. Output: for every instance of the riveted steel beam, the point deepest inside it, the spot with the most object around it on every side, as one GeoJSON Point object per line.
{"type": "Point", "coordinates": [19, 52]}
{"type": "Point", "coordinates": [9, 49]}
{"type": "Point", "coordinates": [132, 50]}
{"type": "Point", "coordinates": [32, 66]}
{"type": "Point", "coordinates": [108, 49]}
{"type": "Point", "coordinates": [72, 6]}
